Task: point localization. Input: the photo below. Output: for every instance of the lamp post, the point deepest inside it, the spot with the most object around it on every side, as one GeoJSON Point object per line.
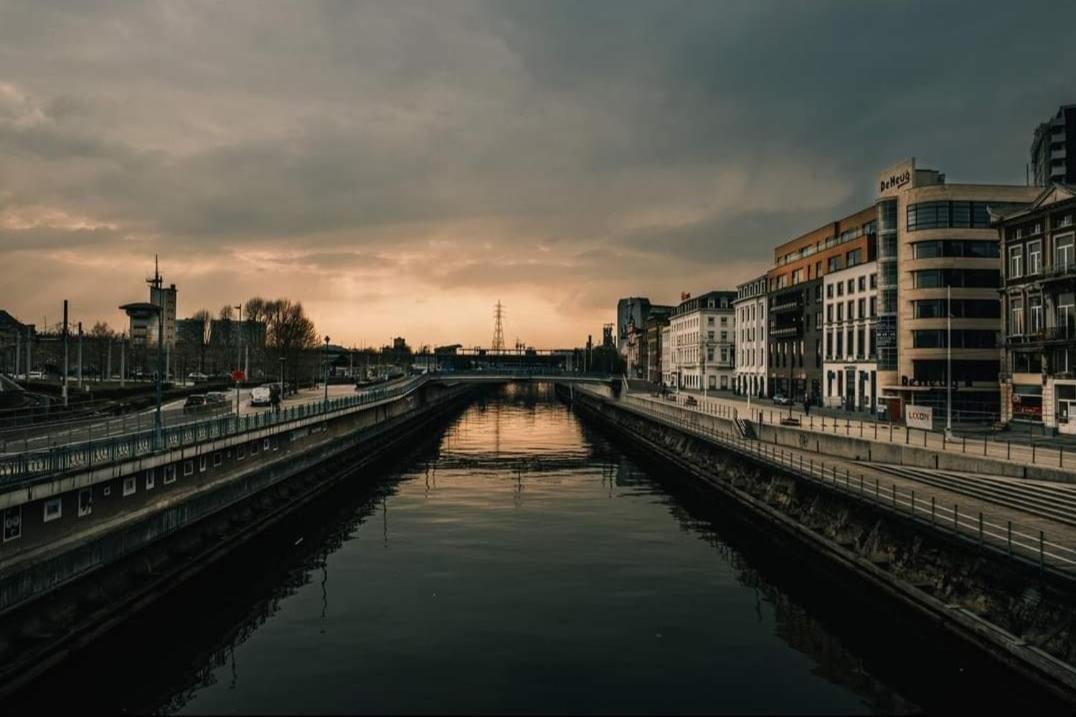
{"type": "Point", "coordinates": [326, 370]}
{"type": "Point", "coordinates": [282, 377]}
{"type": "Point", "coordinates": [239, 340]}
{"type": "Point", "coordinates": [949, 363]}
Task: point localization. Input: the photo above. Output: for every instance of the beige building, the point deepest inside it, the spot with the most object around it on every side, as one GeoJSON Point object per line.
{"type": "Point", "coordinates": [933, 238]}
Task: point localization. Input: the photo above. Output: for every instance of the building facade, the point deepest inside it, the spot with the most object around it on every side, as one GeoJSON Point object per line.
{"type": "Point", "coordinates": [752, 373]}
{"type": "Point", "coordinates": [703, 335]}
{"type": "Point", "coordinates": [935, 238]}
{"type": "Point", "coordinates": [1038, 309]}
{"type": "Point", "coordinates": [668, 372]}
{"type": "Point", "coordinates": [849, 325]}
{"type": "Point", "coordinates": [651, 349]}
{"type": "Point", "coordinates": [794, 343]}
{"type": "Point", "coordinates": [1050, 159]}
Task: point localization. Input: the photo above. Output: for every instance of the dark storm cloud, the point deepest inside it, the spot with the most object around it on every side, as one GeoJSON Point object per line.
{"type": "Point", "coordinates": [690, 136]}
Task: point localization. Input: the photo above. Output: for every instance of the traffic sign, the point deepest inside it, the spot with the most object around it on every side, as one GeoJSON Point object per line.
{"type": "Point", "coordinates": [238, 375]}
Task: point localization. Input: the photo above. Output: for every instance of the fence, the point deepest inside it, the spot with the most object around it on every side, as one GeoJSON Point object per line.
{"type": "Point", "coordinates": [94, 453]}
{"type": "Point", "coordinates": [989, 533]}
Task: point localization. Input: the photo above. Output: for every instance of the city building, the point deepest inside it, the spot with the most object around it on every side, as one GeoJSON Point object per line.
{"type": "Point", "coordinates": [636, 309]}
{"type": "Point", "coordinates": [751, 370]}
{"type": "Point", "coordinates": [1038, 247]}
{"type": "Point", "coordinates": [634, 338]}
{"type": "Point", "coordinates": [1050, 160]}
{"type": "Point", "coordinates": [145, 327]}
{"type": "Point", "coordinates": [849, 323]}
{"type": "Point", "coordinates": [655, 329]}
{"type": "Point", "coordinates": [935, 237]}
{"type": "Point", "coordinates": [668, 371]}
{"type": "Point", "coordinates": [703, 336]}
{"type": "Point", "coordinates": [794, 341]}
{"type": "Point", "coordinates": [15, 337]}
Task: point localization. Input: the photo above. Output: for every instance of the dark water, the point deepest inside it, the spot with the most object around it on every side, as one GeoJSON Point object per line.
{"type": "Point", "coordinates": [520, 562]}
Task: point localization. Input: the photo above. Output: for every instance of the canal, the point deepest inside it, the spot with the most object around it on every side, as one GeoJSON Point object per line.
{"type": "Point", "coordinates": [520, 561]}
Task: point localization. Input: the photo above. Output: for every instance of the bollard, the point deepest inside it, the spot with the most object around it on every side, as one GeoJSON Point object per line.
{"type": "Point", "coordinates": [984, 446]}
{"type": "Point", "coordinates": [924, 439]}
{"type": "Point", "coordinates": [1032, 453]}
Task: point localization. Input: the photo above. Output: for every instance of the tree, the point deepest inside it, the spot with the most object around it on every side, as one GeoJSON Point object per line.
{"type": "Point", "coordinates": [289, 332]}
{"type": "Point", "coordinates": [202, 323]}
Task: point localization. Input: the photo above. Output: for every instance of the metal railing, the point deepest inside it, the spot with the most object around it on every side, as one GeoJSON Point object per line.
{"type": "Point", "coordinates": [94, 453]}
{"type": "Point", "coordinates": [1056, 456]}
{"type": "Point", "coordinates": [975, 527]}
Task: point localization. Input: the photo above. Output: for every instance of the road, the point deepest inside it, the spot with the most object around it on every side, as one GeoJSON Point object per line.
{"type": "Point", "coordinates": [172, 414]}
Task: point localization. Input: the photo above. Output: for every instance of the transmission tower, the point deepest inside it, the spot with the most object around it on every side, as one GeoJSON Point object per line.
{"type": "Point", "coordinates": [498, 329]}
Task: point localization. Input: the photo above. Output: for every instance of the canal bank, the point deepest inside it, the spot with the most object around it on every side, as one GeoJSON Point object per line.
{"type": "Point", "coordinates": [186, 509]}
{"type": "Point", "coordinates": [521, 562]}
{"type": "Point", "coordinates": [1020, 616]}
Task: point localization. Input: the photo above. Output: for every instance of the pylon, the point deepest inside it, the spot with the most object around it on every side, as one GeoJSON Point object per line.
{"type": "Point", "coordinates": [498, 329]}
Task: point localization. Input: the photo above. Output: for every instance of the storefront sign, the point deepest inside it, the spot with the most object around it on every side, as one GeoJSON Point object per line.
{"type": "Point", "coordinates": [896, 178]}
{"type": "Point", "coordinates": [919, 417]}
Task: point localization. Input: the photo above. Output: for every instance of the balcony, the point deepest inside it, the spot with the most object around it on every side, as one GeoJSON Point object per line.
{"type": "Point", "coordinates": [1058, 273]}
{"type": "Point", "coordinates": [787, 306]}
{"type": "Point", "coordinates": [1048, 335]}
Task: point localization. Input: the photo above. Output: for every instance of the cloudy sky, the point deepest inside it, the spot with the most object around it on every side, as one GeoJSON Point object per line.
{"type": "Point", "coordinates": [401, 166]}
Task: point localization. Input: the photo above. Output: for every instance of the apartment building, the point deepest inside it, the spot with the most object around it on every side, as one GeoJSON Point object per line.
{"type": "Point", "coordinates": [849, 327]}
{"type": "Point", "coordinates": [794, 341]}
{"type": "Point", "coordinates": [702, 331]}
{"type": "Point", "coordinates": [1038, 310]}
{"type": "Point", "coordinates": [1050, 160]}
{"type": "Point", "coordinates": [751, 375]}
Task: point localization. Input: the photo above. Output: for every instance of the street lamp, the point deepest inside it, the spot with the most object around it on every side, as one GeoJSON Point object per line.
{"type": "Point", "coordinates": [326, 370]}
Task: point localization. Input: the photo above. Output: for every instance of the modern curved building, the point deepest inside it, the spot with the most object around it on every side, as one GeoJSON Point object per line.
{"type": "Point", "coordinates": [935, 240]}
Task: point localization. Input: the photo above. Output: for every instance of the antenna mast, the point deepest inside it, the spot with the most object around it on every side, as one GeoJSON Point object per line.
{"type": "Point", "coordinates": [498, 329]}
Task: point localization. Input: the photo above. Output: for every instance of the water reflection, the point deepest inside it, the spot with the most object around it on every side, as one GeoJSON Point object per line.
{"type": "Point", "coordinates": [528, 565]}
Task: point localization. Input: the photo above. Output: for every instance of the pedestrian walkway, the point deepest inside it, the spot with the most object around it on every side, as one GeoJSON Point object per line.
{"type": "Point", "coordinates": [1017, 453]}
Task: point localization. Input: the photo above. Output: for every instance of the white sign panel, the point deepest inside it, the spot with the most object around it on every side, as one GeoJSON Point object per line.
{"type": "Point", "coordinates": [919, 417]}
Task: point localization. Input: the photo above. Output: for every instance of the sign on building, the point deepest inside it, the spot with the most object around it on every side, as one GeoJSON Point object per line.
{"type": "Point", "coordinates": [919, 417]}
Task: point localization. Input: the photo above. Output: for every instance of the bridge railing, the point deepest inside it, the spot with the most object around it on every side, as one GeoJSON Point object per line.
{"type": "Point", "coordinates": [16, 467]}
{"type": "Point", "coordinates": [525, 373]}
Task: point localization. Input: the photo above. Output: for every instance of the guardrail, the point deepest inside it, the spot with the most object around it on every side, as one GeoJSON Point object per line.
{"type": "Point", "coordinates": [976, 527]}
{"type": "Point", "coordinates": [94, 453]}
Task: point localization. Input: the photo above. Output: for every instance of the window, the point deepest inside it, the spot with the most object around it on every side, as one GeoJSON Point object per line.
{"type": "Point", "coordinates": [829, 343]}
{"type": "Point", "coordinates": [85, 502]}
{"type": "Point", "coordinates": [240, 453]}
{"type": "Point", "coordinates": [833, 264]}
{"type": "Point", "coordinates": [217, 459]}
{"type": "Point", "coordinates": [862, 283]}
{"type": "Point", "coordinates": [944, 214]}
{"type": "Point", "coordinates": [829, 291]}
{"type": "Point", "coordinates": [1063, 253]}
{"type": "Point", "coordinates": [851, 286]}
{"type": "Point", "coordinates": [12, 523]}
{"type": "Point", "coordinates": [151, 478]}
{"type": "Point", "coordinates": [934, 249]}
{"type": "Point", "coordinates": [1016, 315]}
{"type": "Point", "coordinates": [130, 485]}
{"type": "Point", "coordinates": [53, 509]}
{"type": "Point", "coordinates": [854, 257]}
{"type": "Point", "coordinates": [1016, 261]}
{"type": "Point", "coordinates": [840, 312]}
{"type": "Point", "coordinates": [1035, 316]}
{"type": "Point", "coordinates": [1035, 256]}
{"type": "Point", "coordinates": [170, 473]}
{"type": "Point", "coordinates": [840, 288]}
{"type": "Point", "coordinates": [829, 313]}
{"type": "Point", "coordinates": [862, 309]}
{"type": "Point", "coordinates": [940, 278]}
{"type": "Point", "coordinates": [188, 468]}
{"type": "Point", "coordinates": [201, 464]}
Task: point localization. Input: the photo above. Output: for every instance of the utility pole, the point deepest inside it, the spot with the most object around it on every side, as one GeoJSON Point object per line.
{"type": "Point", "coordinates": [123, 359]}
{"type": "Point", "coordinates": [65, 354]}
{"type": "Point", "coordinates": [326, 370]}
{"type": "Point", "coordinates": [239, 339]}
{"type": "Point", "coordinates": [29, 343]}
{"type": "Point", "coordinates": [80, 356]}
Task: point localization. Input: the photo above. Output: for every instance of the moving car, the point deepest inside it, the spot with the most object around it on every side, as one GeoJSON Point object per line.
{"type": "Point", "coordinates": [197, 377]}
{"type": "Point", "coordinates": [37, 376]}
{"type": "Point", "coordinates": [195, 403]}
{"type": "Point", "coordinates": [780, 399]}
{"type": "Point", "coordinates": [263, 395]}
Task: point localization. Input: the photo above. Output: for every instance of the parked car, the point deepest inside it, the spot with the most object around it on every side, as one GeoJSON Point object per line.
{"type": "Point", "coordinates": [218, 399]}
{"type": "Point", "coordinates": [780, 399]}
{"type": "Point", "coordinates": [197, 377]}
{"type": "Point", "coordinates": [37, 376]}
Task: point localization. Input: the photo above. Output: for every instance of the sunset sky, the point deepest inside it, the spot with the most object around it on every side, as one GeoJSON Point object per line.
{"type": "Point", "coordinates": [399, 167]}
